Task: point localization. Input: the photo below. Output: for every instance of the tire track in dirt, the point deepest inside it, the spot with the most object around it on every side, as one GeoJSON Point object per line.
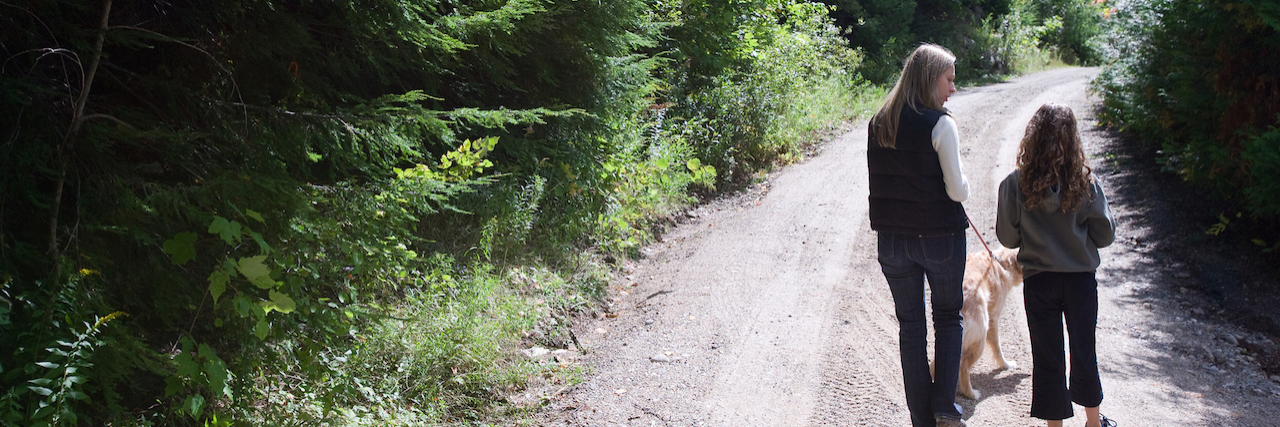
{"type": "Point", "coordinates": [860, 379]}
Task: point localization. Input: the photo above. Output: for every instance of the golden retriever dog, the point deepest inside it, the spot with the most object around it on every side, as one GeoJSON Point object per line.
{"type": "Point", "coordinates": [987, 282]}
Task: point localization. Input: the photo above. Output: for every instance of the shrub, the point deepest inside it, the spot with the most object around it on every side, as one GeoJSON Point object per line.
{"type": "Point", "coordinates": [1194, 79]}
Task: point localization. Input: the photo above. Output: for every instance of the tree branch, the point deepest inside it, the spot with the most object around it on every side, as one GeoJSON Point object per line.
{"type": "Point", "coordinates": [76, 119]}
{"type": "Point", "coordinates": [107, 117]}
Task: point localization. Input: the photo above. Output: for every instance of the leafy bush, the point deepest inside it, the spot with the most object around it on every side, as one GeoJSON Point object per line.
{"type": "Point", "coordinates": [881, 28]}
{"type": "Point", "coordinates": [991, 38]}
{"type": "Point", "coordinates": [1261, 155]}
{"type": "Point", "coordinates": [1073, 28]}
{"type": "Point", "coordinates": [1196, 80]}
{"type": "Point", "coordinates": [752, 85]}
{"type": "Point", "coordinates": [1015, 38]}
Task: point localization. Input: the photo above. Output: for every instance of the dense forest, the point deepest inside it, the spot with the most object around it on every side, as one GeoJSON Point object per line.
{"type": "Point", "coordinates": [254, 212]}
{"type": "Point", "coordinates": [1197, 81]}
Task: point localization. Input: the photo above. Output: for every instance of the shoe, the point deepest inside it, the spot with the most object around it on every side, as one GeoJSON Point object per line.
{"type": "Point", "coordinates": [1107, 422]}
{"type": "Point", "coordinates": [953, 422]}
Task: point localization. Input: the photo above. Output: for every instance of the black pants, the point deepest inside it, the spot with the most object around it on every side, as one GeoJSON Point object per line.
{"type": "Point", "coordinates": [1051, 297]}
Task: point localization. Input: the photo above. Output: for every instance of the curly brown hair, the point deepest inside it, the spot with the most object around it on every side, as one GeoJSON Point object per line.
{"type": "Point", "coordinates": [1051, 155]}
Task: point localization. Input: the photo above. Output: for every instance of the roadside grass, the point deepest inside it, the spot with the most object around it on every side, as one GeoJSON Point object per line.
{"type": "Point", "coordinates": [440, 358]}
{"type": "Point", "coordinates": [827, 107]}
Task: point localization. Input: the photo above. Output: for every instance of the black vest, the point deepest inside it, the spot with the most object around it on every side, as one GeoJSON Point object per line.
{"type": "Point", "coordinates": [908, 195]}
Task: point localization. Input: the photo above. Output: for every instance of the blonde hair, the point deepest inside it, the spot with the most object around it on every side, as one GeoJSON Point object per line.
{"type": "Point", "coordinates": [1051, 154]}
{"type": "Point", "coordinates": [916, 87]}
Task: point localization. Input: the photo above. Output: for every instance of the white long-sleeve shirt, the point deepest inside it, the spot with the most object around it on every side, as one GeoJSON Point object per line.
{"type": "Point", "coordinates": [946, 141]}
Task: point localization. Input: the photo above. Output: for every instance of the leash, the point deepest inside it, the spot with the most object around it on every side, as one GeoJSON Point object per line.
{"type": "Point", "coordinates": [980, 239]}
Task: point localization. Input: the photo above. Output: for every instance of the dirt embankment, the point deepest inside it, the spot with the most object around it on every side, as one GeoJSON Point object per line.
{"type": "Point", "coordinates": [768, 308]}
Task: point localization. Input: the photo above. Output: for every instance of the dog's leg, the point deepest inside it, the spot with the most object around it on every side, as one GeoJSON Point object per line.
{"type": "Point", "coordinates": [968, 357]}
{"type": "Point", "coordinates": [993, 335]}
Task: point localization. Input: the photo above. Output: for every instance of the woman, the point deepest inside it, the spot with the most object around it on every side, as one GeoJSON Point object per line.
{"type": "Point", "coordinates": [916, 188]}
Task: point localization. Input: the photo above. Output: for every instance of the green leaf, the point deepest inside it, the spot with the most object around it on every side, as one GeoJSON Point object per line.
{"type": "Point", "coordinates": [662, 163]}
{"type": "Point", "coordinates": [173, 385]}
{"type": "Point", "coordinates": [40, 390]}
{"type": "Point", "coordinates": [41, 381]}
{"type": "Point", "coordinates": [693, 165]}
{"type": "Point", "coordinates": [48, 365]}
{"type": "Point", "coordinates": [43, 412]}
{"type": "Point", "coordinates": [228, 230]}
{"type": "Point", "coordinates": [251, 214]}
{"type": "Point", "coordinates": [206, 352]}
{"type": "Point", "coordinates": [216, 371]}
{"type": "Point", "coordinates": [187, 366]}
{"type": "Point", "coordinates": [257, 273]}
{"type": "Point", "coordinates": [262, 244]}
{"type": "Point", "coordinates": [77, 396]}
{"type": "Point", "coordinates": [260, 330]}
{"type": "Point", "coordinates": [218, 283]}
{"type": "Point", "coordinates": [242, 305]}
{"type": "Point", "coordinates": [194, 405]}
{"type": "Point", "coordinates": [280, 302]}
{"type": "Point", "coordinates": [181, 248]}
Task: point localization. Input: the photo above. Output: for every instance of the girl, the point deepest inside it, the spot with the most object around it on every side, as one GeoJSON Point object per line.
{"type": "Point", "coordinates": [916, 188]}
{"type": "Point", "coordinates": [1056, 212]}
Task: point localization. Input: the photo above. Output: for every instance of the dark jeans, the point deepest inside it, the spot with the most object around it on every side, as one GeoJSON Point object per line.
{"type": "Point", "coordinates": [906, 261]}
{"type": "Point", "coordinates": [1051, 297]}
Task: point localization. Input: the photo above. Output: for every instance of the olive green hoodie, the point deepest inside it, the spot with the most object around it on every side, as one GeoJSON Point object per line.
{"type": "Point", "coordinates": [1052, 240]}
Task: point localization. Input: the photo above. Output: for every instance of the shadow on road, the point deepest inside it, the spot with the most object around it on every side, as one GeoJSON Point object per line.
{"type": "Point", "coordinates": [1215, 300]}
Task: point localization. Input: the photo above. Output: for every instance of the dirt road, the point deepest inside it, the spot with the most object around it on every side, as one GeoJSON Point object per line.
{"type": "Point", "coordinates": [769, 308]}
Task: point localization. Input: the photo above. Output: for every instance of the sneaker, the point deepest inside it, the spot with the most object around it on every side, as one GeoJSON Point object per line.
{"type": "Point", "coordinates": [1107, 422]}
{"type": "Point", "coordinates": [953, 422]}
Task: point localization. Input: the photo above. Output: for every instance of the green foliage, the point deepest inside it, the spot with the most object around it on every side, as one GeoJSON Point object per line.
{"type": "Point", "coordinates": [991, 38]}
{"type": "Point", "coordinates": [1262, 156]}
{"type": "Point", "coordinates": [306, 210]}
{"type": "Point", "coordinates": [888, 30]}
{"type": "Point", "coordinates": [755, 83]}
{"type": "Point", "coordinates": [1016, 38]}
{"type": "Point", "coordinates": [1073, 28]}
{"type": "Point", "coordinates": [1196, 80]}
{"type": "Point", "coordinates": [1221, 226]}
{"type": "Point", "coordinates": [881, 28]}
{"type": "Point", "coordinates": [47, 392]}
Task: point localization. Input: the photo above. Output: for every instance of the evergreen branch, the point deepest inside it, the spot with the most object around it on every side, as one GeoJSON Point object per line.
{"type": "Point", "coordinates": [288, 112]}
{"type": "Point", "coordinates": [487, 118]}
{"type": "Point", "coordinates": [502, 19]}
{"type": "Point", "coordinates": [107, 117]}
